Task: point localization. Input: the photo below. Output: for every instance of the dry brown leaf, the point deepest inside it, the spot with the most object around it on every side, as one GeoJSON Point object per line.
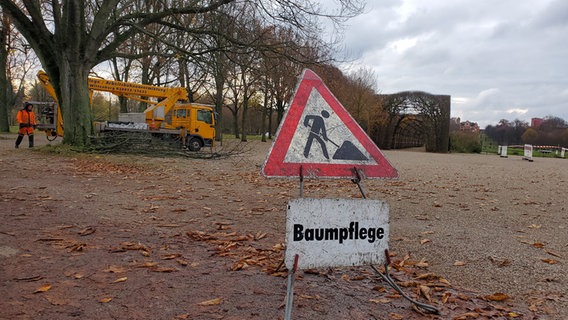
{"type": "Point", "coordinates": [182, 262]}
{"type": "Point", "coordinates": [260, 235]}
{"type": "Point", "coordinates": [147, 264]}
{"type": "Point", "coordinates": [395, 316]}
{"type": "Point", "coordinates": [212, 302]}
{"type": "Point", "coordinates": [77, 247]}
{"type": "Point", "coordinates": [535, 226]}
{"type": "Point", "coordinates": [171, 256]}
{"type": "Point", "coordinates": [467, 315]}
{"type": "Point", "coordinates": [538, 245]}
{"type": "Point", "coordinates": [423, 263]}
{"type": "Point", "coordinates": [120, 280]}
{"type": "Point", "coordinates": [549, 261]}
{"type": "Point", "coordinates": [459, 263]}
{"type": "Point", "coordinates": [164, 269]}
{"type": "Point", "coordinates": [497, 297]}
{"type": "Point", "coordinates": [115, 269]}
{"type": "Point", "coordinates": [87, 231]}
{"type": "Point", "coordinates": [446, 296]}
{"type": "Point", "coordinates": [423, 241]}
{"type": "Point", "coordinates": [43, 288]}
{"type": "Point", "coordinates": [425, 291]}
{"type": "Point", "coordinates": [105, 300]}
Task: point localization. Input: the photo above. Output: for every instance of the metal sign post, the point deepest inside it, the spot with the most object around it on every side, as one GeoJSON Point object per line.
{"type": "Point", "coordinates": [290, 290]}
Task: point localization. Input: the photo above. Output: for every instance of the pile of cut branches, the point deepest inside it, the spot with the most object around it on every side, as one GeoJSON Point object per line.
{"type": "Point", "coordinates": [142, 143]}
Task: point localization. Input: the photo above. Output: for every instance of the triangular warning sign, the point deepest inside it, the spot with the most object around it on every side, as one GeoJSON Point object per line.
{"type": "Point", "coordinates": [319, 137]}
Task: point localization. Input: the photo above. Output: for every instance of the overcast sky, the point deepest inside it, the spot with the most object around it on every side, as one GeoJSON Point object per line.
{"type": "Point", "coordinates": [503, 59]}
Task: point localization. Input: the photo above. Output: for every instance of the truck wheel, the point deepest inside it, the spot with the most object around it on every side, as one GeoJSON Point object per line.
{"type": "Point", "coordinates": [194, 144]}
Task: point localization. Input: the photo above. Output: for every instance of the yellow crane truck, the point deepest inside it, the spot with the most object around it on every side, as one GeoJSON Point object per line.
{"type": "Point", "coordinates": [193, 123]}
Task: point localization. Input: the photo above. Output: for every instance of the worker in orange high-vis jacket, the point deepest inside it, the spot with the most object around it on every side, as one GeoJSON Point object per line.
{"type": "Point", "coordinates": [27, 120]}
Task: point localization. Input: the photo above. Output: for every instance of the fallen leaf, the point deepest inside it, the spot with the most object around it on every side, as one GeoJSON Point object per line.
{"type": "Point", "coordinates": [535, 226]}
{"type": "Point", "coordinates": [260, 235]}
{"type": "Point", "coordinates": [459, 263]}
{"type": "Point", "coordinates": [212, 302]}
{"type": "Point", "coordinates": [120, 280]}
{"type": "Point", "coordinates": [171, 256]}
{"type": "Point", "coordinates": [423, 263]}
{"type": "Point", "coordinates": [538, 245]}
{"type": "Point", "coordinates": [105, 300]}
{"type": "Point", "coordinates": [423, 241]}
{"type": "Point", "coordinates": [425, 291]}
{"type": "Point", "coordinates": [87, 231]}
{"type": "Point", "coordinates": [77, 247]}
{"type": "Point", "coordinates": [467, 315]}
{"type": "Point", "coordinates": [182, 262]}
{"type": "Point", "coordinates": [43, 288]}
{"type": "Point", "coordinates": [380, 300]}
{"type": "Point", "coordinates": [549, 261]}
{"type": "Point", "coordinates": [164, 269]}
{"type": "Point", "coordinates": [115, 269]}
{"type": "Point", "coordinates": [446, 296]}
{"type": "Point", "coordinates": [395, 316]}
{"type": "Point", "coordinates": [147, 264]}
{"type": "Point", "coordinates": [497, 297]}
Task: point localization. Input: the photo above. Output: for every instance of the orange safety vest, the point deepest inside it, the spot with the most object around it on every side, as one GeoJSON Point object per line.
{"type": "Point", "coordinates": [28, 119]}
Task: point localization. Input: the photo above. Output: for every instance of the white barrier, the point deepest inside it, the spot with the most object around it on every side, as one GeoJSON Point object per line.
{"type": "Point", "coordinates": [563, 152]}
{"type": "Point", "coordinates": [528, 152]}
{"type": "Point", "coordinates": [503, 151]}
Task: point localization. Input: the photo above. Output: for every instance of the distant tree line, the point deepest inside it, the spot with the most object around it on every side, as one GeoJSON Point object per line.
{"type": "Point", "coordinates": [551, 131]}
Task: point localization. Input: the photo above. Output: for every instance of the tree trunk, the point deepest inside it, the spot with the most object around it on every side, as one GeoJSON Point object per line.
{"type": "Point", "coordinates": [244, 121]}
{"type": "Point", "coordinates": [4, 87]}
{"type": "Point", "coordinates": [75, 105]}
{"type": "Point", "coordinates": [264, 114]}
{"type": "Point", "coordinates": [219, 83]}
{"type": "Point", "coordinates": [236, 120]}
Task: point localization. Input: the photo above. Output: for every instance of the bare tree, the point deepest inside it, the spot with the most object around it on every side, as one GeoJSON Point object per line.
{"type": "Point", "coordinates": [16, 61]}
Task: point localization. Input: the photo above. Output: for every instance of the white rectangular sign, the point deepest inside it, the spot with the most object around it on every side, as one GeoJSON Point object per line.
{"type": "Point", "coordinates": [528, 152]}
{"type": "Point", "coordinates": [336, 232]}
{"type": "Point", "coordinates": [503, 153]}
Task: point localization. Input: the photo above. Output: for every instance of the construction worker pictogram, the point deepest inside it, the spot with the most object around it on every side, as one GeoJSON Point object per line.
{"type": "Point", "coordinates": [317, 132]}
{"type": "Point", "coordinates": [319, 135]}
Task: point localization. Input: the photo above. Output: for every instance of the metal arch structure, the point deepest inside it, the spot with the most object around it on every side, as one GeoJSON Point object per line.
{"type": "Point", "coordinates": [414, 118]}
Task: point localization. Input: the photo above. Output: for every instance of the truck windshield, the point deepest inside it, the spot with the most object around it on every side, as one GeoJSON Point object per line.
{"type": "Point", "coordinates": [205, 116]}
